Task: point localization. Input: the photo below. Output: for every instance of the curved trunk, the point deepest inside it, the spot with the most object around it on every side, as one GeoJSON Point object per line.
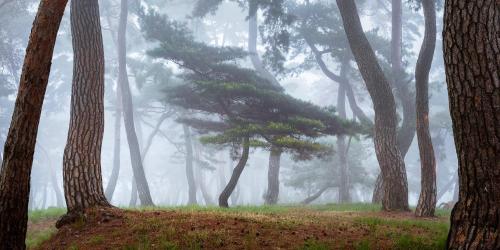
{"type": "Point", "coordinates": [390, 160]}
{"type": "Point", "coordinates": [189, 166]}
{"type": "Point", "coordinates": [20, 142]}
{"type": "Point", "coordinates": [252, 50]}
{"type": "Point", "coordinates": [128, 113]}
{"type": "Point", "coordinates": [82, 155]}
{"type": "Point", "coordinates": [378, 190]}
{"type": "Point", "coordinates": [408, 127]}
{"type": "Point", "coordinates": [228, 190]}
{"type": "Point", "coordinates": [316, 195]}
{"type": "Point", "coordinates": [428, 192]}
{"type": "Point", "coordinates": [115, 172]}
{"type": "Point", "coordinates": [472, 62]}
{"type": "Point", "coordinates": [273, 176]}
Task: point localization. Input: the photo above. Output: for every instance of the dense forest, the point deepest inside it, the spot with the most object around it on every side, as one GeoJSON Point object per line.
{"type": "Point", "coordinates": [249, 124]}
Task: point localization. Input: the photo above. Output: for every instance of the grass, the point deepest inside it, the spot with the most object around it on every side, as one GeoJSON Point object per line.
{"type": "Point", "coordinates": [316, 227]}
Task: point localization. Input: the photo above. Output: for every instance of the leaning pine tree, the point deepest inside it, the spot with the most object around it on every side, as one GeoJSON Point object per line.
{"type": "Point", "coordinates": [241, 109]}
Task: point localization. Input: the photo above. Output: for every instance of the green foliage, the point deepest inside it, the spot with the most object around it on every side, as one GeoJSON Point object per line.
{"type": "Point", "coordinates": [244, 104]}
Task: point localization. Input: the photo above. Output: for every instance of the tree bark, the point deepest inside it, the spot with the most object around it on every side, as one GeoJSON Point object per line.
{"type": "Point", "coordinates": [20, 142]}
{"type": "Point", "coordinates": [231, 185]}
{"type": "Point", "coordinates": [189, 166]}
{"type": "Point", "coordinates": [428, 192]}
{"type": "Point", "coordinates": [115, 172]}
{"type": "Point", "coordinates": [82, 155]}
{"type": "Point", "coordinates": [273, 179]}
{"type": "Point", "coordinates": [472, 61]}
{"type": "Point", "coordinates": [388, 154]}
{"type": "Point", "coordinates": [128, 114]}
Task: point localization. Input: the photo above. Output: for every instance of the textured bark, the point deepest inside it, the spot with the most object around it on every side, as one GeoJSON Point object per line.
{"type": "Point", "coordinates": [428, 191]}
{"type": "Point", "coordinates": [189, 166]}
{"type": "Point", "coordinates": [82, 155]}
{"type": "Point", "coordinates": [390, 160]}
{"type": "Point", "coordinates": [128, 114]}
{"type": "Point", "coordinates": [231, 185]}
{"type": "Point", "coordinates": [20, 142]}
{"type": "Point", "coordinates": [115, 172]}
{"type": "Point", "coordinates": [273, 177]}
{"type": "Point", "coordinates": [472, 61]}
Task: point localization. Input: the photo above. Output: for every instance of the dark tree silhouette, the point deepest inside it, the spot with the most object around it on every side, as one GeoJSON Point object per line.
{"type": "Point", "coordinates": [472, 60]}
{"type": "Point", "coordinates": [20, 143]}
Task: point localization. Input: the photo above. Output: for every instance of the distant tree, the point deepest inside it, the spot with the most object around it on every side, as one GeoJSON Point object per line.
{"type": "Point", "coordinates": [128, 113]}
{"type": "Point", "coordinates": [254, 112]}
{"type": "Point", "coordinates": [389, 156]}
{"type": "Point", "coordinates": [82, 156]}
{"type": "Point", "coordinates": [20, 143]}
{"type": "Point", "coordinates": [428, 192]}
{"type": "Point", "coordinates": [472, 61]}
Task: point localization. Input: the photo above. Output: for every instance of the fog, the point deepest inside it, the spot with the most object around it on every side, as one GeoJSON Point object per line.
{"type": "Point", "coordinates": [165, 161]}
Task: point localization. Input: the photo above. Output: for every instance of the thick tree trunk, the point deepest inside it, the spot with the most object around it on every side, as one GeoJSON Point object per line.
{"type": "Point", "coordinates": [82, 155]}
{"type": "Point", "coordinates": [428, 192]}
{"type": "Point", "coordinates": [228, 190]}
{"type": "Point", "coordinates": [115, 172]}
{"type": "Point", "coordinates": [189, 166]}
{"type": "Point", "coordinates": [472, 61]}
{"type": "Point", "coordinates": [128, 114]}
{"type": "Point", "coordinates": [20, 143]}
{"type": "Point", "coordinates": [389, 157]}
{"type": "Point", "coordinates": [273, 177]}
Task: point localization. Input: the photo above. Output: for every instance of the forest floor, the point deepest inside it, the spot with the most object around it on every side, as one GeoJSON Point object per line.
{"type": "Point", "coordinates": [353, 226]}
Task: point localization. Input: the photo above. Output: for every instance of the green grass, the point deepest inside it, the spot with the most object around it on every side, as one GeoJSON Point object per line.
{"type": "Point", "coordinates": [46, 214]}
{"type": "Point", "coordinates": [34, 239]}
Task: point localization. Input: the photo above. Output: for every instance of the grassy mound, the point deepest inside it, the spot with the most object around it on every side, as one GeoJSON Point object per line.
{"type": "Point", "coordinates": [353, 226]}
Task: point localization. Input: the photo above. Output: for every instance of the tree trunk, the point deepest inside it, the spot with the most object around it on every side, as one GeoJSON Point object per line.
{"type": "Point", "coordinates": [407, 131]}
{"type": "Point", "coordinates": [228, 190]}
{"type": "Point", "coordinates": [378, 190]}
{"type": "Point", "coordinates": [115, 172]}
{"type": "Point", "coordinates": [20, 142]}
{"type": "Point", "coordinates": [344, 182]}
{"type": "Point", "coordinates": [55, 186]}
{"type": "Point", "coordinates": [472, 61]}
{"type": "Point", "coordinates": [128, 114]}
{"type": "Point", "coordinates": [428, 192]}
{"type": "Point", "coordinates": [390, 160]}
{"type": "Point", "coordinates": [252, 50]}
{"type": "Point", "coordinates": [200, 177]}
{"type": "Point", "coordinates": [316, 195]}
{"type": "Point", "coordinates": [82, 155]}
{"type": "Point", "coordinates": [273, 179]}
{"type": "Point", "coordinates": [189, 166]}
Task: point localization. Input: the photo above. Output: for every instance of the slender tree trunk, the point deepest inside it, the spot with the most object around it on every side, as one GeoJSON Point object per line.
{"type": "Point", "coordinates": [189, 166]}
{"type": "Point", "coordinates": [389, 156]}
{"type": "Point", "coordinates": [228, 190]}
{"type": "Point", "coordinates": [252, 49]}
{"type": "Point", "coordinates": [446, 187]}
{"type": "Point", "coordinates": [115, 172]}
{"type": "Point", "coordinates": [82, 155]}
{"type": "Point", "coordinates": [428, 192]}
{"type": "Point", "coordinates": [200, 178]}
{"type": "Point", "coordinates": [408, 127]}
{"type": "Point", "coordinates": [20, 142]}
{"type": "Point", "coordinates": [273, 180]}
{"type": "Point", "coordinates": [378, 190]}
{"type": "Point", "coordinates": [128, 115]}
{"type": "Point", "coordinates": [316, 195]}
{"type": "Point", "coordinates": [344, 182]}
{"type": "Point", "coordinates": [472, 61]}
{"type": "Point", "coordinates": [55, 186]}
